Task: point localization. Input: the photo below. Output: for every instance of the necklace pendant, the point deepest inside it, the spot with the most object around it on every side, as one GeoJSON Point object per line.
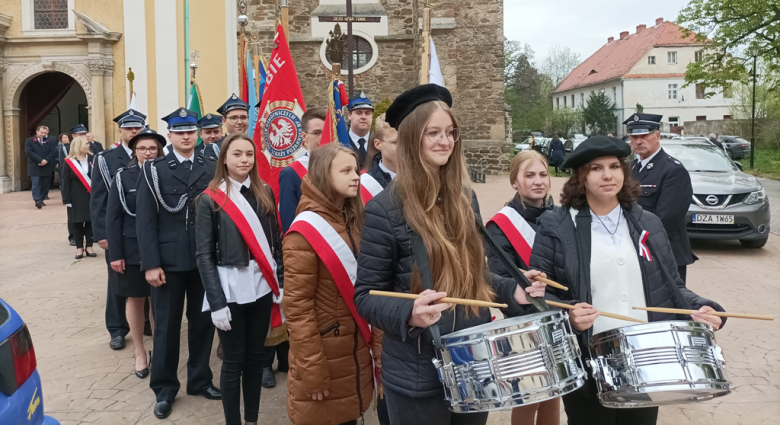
{"type": "Point", "coordinates": [613, 238]}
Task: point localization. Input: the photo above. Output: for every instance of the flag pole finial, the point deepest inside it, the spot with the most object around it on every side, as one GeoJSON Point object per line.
{"type": "Point", "coordinates": [194, 56]}
{"type": "Point", "coordinates": [130, 78]}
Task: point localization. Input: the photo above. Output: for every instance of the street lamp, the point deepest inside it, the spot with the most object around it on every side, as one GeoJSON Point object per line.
{"type": "Point", "coordinates": [753, 52]}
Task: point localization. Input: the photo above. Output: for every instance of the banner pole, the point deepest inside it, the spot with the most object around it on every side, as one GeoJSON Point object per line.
{"type": "Point", "coordinates": [426, 46]}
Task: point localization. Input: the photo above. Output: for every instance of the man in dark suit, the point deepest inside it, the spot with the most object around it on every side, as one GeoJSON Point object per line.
{"type": "Point", "coordinates": [235, 116]}
{"type": "Point", "coordinates": [94, 146]}
{"type": "Point", "coordinates": [361, 114]}
{"type": "Point", "coordinates": [664, 182]}
{"type": "Point", "coordinates": [41, 160]}
{"type": "Point", "coordinates": [165, 216]}
{"type": "Point", "coordinates": [107, 163]}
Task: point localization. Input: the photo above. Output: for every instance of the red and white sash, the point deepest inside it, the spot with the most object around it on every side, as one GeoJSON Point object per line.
{"type": "Point", "coordinates": [517, 230]}
{"type": "Point", "coordinates": [301, 166]}
{"type": "Point", "coordinates": [81, 173]}
{"type": "Point", "coordinates": [369, 187]}
{"type": "Point", "coordinates": [643, 250]}
{"type": "Point", "coordinates": [338, 258]}
{"type": "Point", "coordinates": [245, 219]}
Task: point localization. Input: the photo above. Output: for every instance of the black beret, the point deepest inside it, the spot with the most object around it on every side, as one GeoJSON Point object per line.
{"type": "Point", "coordinates": [596, 147]}
{"type": "Point", "coordinates": [404, 104]}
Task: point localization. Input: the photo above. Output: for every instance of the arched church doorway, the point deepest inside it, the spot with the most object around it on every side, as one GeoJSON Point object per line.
{"type": "Point", "coordinates": [53, 99]}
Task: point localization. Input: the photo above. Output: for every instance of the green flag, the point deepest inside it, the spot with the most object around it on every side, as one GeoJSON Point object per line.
{"type": "Point", "coordinates": [195, 103]}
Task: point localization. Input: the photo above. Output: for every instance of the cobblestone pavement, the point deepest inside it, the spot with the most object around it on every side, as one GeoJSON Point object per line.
{"type": "Point", "coordinates": [62, 301]}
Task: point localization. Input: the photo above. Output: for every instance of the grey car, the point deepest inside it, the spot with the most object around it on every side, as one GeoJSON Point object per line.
{"type": "Point", "coordinates": [727, 204]}
{"type": "Point", "coordinates": [735, 146]}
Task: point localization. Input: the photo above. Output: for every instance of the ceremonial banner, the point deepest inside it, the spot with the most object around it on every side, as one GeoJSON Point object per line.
{"type": "Point", "coordinates": [252, 95]}
{"type": "Point", "coordinates": [278, 129]}
{"type": "Point", "coordinates": [335, 129]}
{"type": "Point", "coordinates": [195, 103]}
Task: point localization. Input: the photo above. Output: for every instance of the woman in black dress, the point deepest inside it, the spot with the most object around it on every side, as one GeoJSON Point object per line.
{"type": "Point", "coordinates": [76, 188]}
{"type": "Point", "coordinates": [121, 236]}
{"type": "Point", "coordinates": [557, 154]}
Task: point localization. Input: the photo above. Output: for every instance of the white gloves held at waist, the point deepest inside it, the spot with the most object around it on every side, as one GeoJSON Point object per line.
{"type": "Point", "coordinates": [221, 319]}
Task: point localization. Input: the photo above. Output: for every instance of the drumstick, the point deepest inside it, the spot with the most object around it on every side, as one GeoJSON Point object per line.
{"type": "Point", "coordinates": [603, 313]}
{"type": "Point", "coordinates": [552, 283]}
{"type": "Point", "coordinates": [713, 313]}
{"type": "Point", "coordinates": [461, 301]}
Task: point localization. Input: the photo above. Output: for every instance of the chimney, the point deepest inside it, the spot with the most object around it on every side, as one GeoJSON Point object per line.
{"type": "Point", "coordinates": [610, 40]}
{"type": "Point", "coordinates": [624, 35]}
{"type": "Point", "coordinates": [640, 28]}
{"type": "Point", "coordinates": [659, 21]}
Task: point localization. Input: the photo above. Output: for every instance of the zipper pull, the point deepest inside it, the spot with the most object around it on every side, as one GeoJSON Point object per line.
{"type": "Point", "coordinates": [337, 332]}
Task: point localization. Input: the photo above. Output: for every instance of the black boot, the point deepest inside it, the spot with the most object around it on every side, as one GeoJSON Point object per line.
{"type": "Point", "coordinates": [269, 381]}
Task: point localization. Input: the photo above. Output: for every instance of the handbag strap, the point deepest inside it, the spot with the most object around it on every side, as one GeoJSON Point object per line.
{"type": "Point", "coordinates": [520, 278]}
{"type": "Point", "coordinates": [421, 258]}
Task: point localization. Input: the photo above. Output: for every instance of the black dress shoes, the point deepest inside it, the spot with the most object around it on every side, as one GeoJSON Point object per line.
{"type": "Point", "coordinates": [211, 392]}
{"type": "Point", "coordinates": [39, 205]}
{"type": "Point", "coordinates": [269, 381]}
{"type": "Point", "coordinates": [141, 374]}
{"type": "Point", "coordinates": [162, 409]}
{"type": "Point", "coordinates": [72, 242]}
{"type": "Point", "coordinates": [117, 343]}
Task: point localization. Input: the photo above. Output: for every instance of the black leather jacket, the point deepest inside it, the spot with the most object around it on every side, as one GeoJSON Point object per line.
{"type": "Point", "coordinates": [219, 243]}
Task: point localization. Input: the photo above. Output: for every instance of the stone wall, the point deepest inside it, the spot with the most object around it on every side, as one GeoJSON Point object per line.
{"type": "Point", "coordinates": [492, 156]}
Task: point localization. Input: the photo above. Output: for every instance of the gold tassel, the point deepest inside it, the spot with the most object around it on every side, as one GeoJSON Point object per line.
{"type": "Point", "coordinates": [278, 335]}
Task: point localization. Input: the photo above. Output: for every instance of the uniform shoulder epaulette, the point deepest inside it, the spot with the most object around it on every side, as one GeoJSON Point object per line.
{"type": "Point", "coordinates": [674, 160]}
{"type": "Point", "coordinates": [156, 160]}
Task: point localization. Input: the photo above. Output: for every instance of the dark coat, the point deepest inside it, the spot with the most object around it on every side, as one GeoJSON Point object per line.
{"type": "Point", "coordinates": [36, 153]}
{"type": "Point", "coordinates": [289, 196]}
{"type": "Point", "coordinates": [385, 263]}
{"type": "Point", "coordinates": [667, 192]}
{"type": "Point", "coordinates": [74, 192]}
{"type": "Point", "coordinates": [557, 253]}
{"type": "Point", "coordinates": [121, 231]}
{"type": "Point", "coordinates": [106, 165]}
{"type": "Point", "coordinates": [355, 147]}
{"type": "Point", "coordinates": [219, 243]}
{"type": "Point", "coordinates": [95, 147]}
{"type": "Point", "coordinates": [531, 215]}
{"type": "Point", "coordinates": [380, 176]}
{"type": "Point", "coordinates": [167, 239]}
{"type": "Point", "coordinates": [212, 149]}
{"type": "Point", "coordinates": [557, 152]}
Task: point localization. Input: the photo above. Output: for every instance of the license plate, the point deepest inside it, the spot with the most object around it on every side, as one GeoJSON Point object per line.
{"type": "Point", "coordinates": [712, 219]}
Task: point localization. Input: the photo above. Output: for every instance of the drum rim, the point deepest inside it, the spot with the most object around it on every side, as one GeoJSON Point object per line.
{"type": "Point", "coordinates": [501, 323]}
{"type": "Point", "coordinates": [651, 326]}
{"type": "Point", "coordinates": [721, 389]}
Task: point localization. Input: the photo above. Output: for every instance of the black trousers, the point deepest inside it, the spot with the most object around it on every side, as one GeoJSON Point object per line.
{"type": "Point", "coordinates": [583, 408]}
{"type": "Point", "coordinates": [242, 356]}
{"type": "Point", "coordinates": [167, 307]}
{"type": "Point", "coordinates": [116, 319]}
{"type": "Point", "coordinates": [281, 351]}
{"type": "Point", "coordinates": [82, 232]}
{"type": "Point", "coordinates": [405, 410]}
{"type": "Point", "coordinates": [683, 270]}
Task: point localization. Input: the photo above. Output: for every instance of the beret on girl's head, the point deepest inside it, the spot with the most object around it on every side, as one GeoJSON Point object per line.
{"type": "Point", "coordinates": [405, 103]}
{"type": "Point", "coordinates": [596, 147]}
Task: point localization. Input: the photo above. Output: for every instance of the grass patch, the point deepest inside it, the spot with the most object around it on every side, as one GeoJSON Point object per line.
{"type": "Point", "coordinates": [766, 164]}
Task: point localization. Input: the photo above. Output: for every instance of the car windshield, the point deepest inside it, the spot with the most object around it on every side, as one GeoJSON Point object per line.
{"type": "Point", "coordinates": [741, 140]}
{"type": "Point", "coordinates": [697, 157]}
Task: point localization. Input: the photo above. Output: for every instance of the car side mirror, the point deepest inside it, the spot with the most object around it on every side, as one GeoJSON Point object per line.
{"type": "Point", "coordinates": [739, 165]}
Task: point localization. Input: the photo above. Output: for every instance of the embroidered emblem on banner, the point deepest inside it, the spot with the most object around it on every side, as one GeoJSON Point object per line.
{"type": "Point", "coordinates": [284, 134]}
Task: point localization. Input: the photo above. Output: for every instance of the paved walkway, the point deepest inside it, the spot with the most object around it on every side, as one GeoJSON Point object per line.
{"type": "Point", "coordinates": [62, 300]}
{"type": "Point", "coordinates": [772, 188]}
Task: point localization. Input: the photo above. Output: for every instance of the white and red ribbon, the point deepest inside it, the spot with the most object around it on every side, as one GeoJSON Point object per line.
{"type": "Point", "coordinates": [643, 250]}
{"type": "Point", "coordinates": [520, 234]}
{"type": "Point", "coordinates": [81, 173]}
{"type": "Point", "coordinates": [252, 232]}
{"type": "Point", "coordinates": [337, 257]}
{"type": "Point", "coordinates": [369, 187]}
{"type": "Point", "coordinates": [301, 166]}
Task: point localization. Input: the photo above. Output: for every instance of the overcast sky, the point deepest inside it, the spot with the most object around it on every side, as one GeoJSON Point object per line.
{"type": "Point", "coordinates": [584, 26]}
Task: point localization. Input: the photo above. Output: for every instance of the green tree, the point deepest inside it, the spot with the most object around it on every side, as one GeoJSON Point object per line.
{"type": "Point", "coordinates": [729, 27]}
{"type": "Point", "coordinates": [526, 91]}
{"type": "Point", "coordinates": [565, 122]}
{"type": "Point", "coordinates": [639, 108]}
{"type": "Point", "coordinates": [598, 114]}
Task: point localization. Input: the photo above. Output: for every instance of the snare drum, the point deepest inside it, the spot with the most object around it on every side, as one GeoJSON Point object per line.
{"type": "Point", "coordinates": [510, 362]}
{"type": "Point", "coordinates": [658, 363]}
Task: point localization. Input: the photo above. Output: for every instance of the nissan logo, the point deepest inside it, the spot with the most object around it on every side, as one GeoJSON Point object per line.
{"type": "Point", "coordinates": [712, 200]}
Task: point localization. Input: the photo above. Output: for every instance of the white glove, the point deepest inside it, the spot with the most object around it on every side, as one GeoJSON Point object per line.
{"type": "Point", "coordinates": [69, 205]}
{"type": "Point", "coordinates": [221, 319]}
{"type": "Point", "coordinates": [278, 300]}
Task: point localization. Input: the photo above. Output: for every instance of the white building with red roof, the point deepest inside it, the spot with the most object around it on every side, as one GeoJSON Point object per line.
{"type": "Point", "coordinates": [648, 68]}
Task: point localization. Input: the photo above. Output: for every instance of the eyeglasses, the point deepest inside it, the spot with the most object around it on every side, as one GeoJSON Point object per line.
{"type": "Point", "coordinates": [436, 136]}
{"type": "Point", "coordinates": [235, 118]}
{"type": "Point", "coordinates": [152, 149]}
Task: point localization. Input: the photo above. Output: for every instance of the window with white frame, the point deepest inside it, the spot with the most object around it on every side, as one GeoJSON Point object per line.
{"type": "Point", "coordinates": [672, 90]}
{"type": "Point", "coordinates": [651, 60]}
{"type": "Point", "coordinates": [557, 102]}
{"type": "Point", "coordinates": [672, 57]}
{"type": "Point", "coordinates": [48, 17]}
{"type": "Point", "coordinates": [582, 100]}
{"type": "Point", "coordinates": [698, 55]}
{"type": "Point", "coordinates": [572, 101]}
{"type": "Point", "coordinates": [673, 121]}
{"type": "Point", "coordinates": [565, 101]}
{"type": "Point", "coordinates": [614, 94]}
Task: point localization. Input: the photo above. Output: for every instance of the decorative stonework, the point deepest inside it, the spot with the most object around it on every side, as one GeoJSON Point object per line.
{"type": "Point", "coordinates": [28, 72]}
{"type": "Point", "coordinates": [9, 158]}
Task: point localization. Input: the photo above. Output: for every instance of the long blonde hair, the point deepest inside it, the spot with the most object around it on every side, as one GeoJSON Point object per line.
{"type": "Point", "coordinates": [75, 147]}
{"type": "Point", "coordinates": [437, 205]}
{"type": "Point", "coordinates": [528, 157]}
{"type": "Point", "coordinates": [258, 187]}
{"type": "Point", "coordinates": [319, 175]}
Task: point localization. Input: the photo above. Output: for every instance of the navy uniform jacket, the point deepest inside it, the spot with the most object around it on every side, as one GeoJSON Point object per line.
{"type": "Point", "coordinates": [95, 147]}
{"type": "Point", "coordinates": [106, 164]}
{"type": "Point", "coordinates": [666, 192]}
{"type": "Point", "coordinates": [167, 239]}
{"type": "Point", "coordinates": [289, 196]}
{"type": "Point", "coordinates": [209, 150]}
{"type": "Point", "coordinates": [36, 153]}
{"type": "Point", "coordinates": [120, 224]}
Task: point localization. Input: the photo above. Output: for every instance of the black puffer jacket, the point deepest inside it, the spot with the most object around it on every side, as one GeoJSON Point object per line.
{"type": "Point", "coordinates": [556, 253]}
{"type": "Point", "coordinates": [219, 243]}
{"type": "Point", "coordinates": [531, 215]}
{"type": "Point", "coordinates": [385, 263]}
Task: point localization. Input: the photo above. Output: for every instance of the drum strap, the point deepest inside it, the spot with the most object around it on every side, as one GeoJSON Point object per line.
{"type": "Point", "coordinates": [583, 220]}
{"type": "Point", "coordinates": [421, 258]}
{"type": "Point", "coordinates": [520, 278]}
